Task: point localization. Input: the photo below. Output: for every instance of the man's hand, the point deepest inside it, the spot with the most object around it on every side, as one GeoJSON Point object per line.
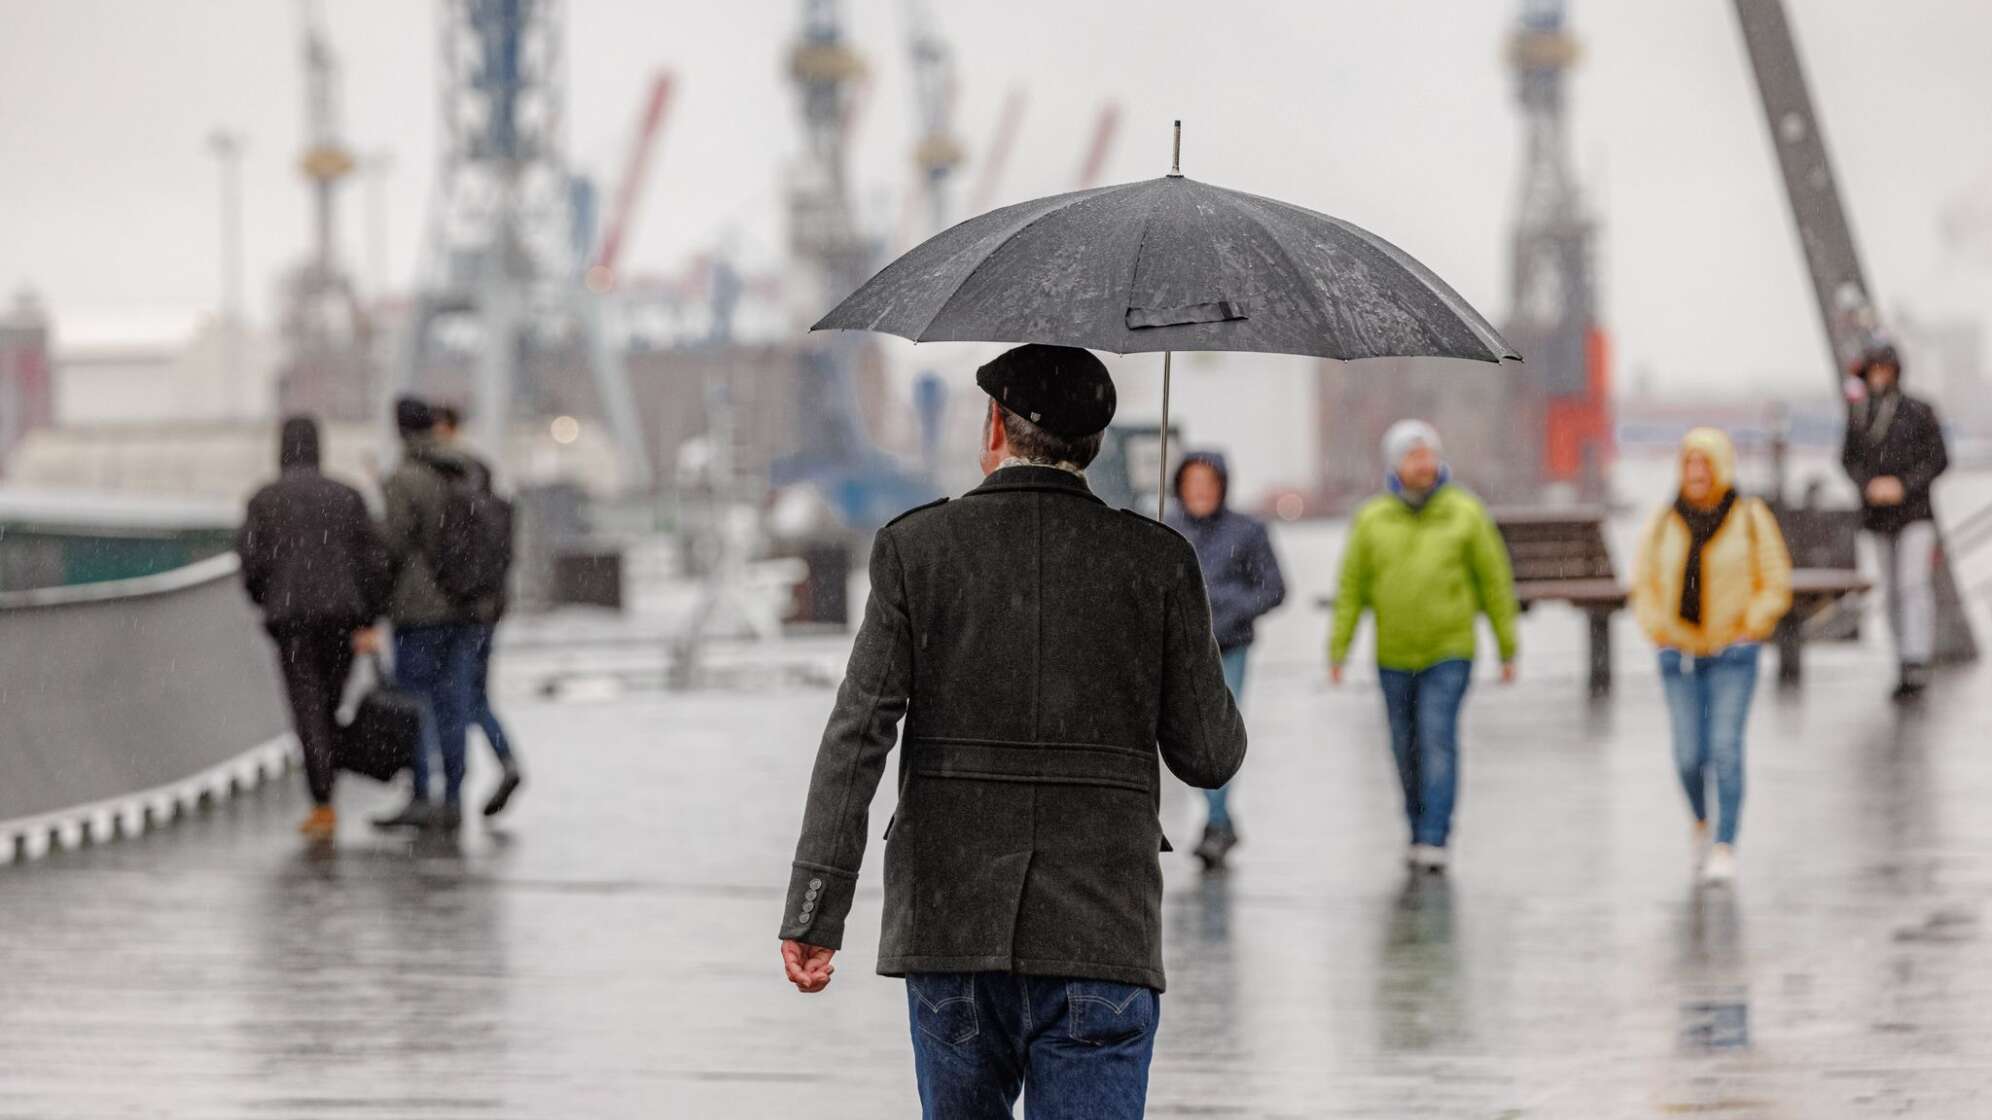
{"type": "Point", "coordinates": [1508, 672]}
{"type": "Point", "coordinates": [808, 966]}
{"type": "Point", "coordinates": [1334, 674]}
{"type": "Point", "coordinates": [366, 640]}
{"type": "Point", "coordinates": [1885, 491]}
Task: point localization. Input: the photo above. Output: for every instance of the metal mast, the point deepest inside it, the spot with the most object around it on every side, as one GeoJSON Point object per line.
{"type": "Point", "coordinates": [328, 339]}
{"type": "Point", "coordinates": [1553, 289]}
{"type": "Point", "coordinates": [937, 152]}
{"type": "Point", "coordinates": [834, 257]}
{"type": "Point", "coordinates": [511, 231]}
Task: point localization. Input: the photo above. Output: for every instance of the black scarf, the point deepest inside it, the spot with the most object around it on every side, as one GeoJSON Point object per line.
{"type": "Point", "coordinates": [1702, 524]}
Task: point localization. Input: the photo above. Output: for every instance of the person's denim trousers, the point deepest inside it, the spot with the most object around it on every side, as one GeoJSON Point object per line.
{"type": "Point", "coordinates": [1080, 1049]}
{"type": "Point", "coordinates": [1219, 799]}
{"type": "Point", "coordinates": [439, 663]}
{"type": "Point", "coordinates": [1423, 710]}
{"type": "Point", "coordinates": [481, 716]}
{"type": "Point", "coordinates": [1708, 703]}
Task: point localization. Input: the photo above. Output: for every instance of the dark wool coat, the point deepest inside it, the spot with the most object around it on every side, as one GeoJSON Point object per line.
{"type": "Point", "coordinates": [310, 554]}
{"type": "Point", "coordinates": [1911, 448]}
{"type": "Point", "coordinates": [1041, 647]}
{"type": "Point", "coordinates": [1241, 573]}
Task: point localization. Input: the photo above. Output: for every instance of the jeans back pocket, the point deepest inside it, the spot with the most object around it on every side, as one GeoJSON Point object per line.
{"type": "Point", "coordinates": [944, 1005]}
{"type": "Point", "coordinates": [1104, 1012]}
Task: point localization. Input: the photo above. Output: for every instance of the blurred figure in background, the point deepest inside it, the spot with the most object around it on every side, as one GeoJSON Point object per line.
{"type": "Point", "coordinates": [1710, 583]}
{"type": "Point", "coordinates": [1427, 559]}
{"type": "Point", "coordinates": [1894, 451]}
{"type": "Point", "coordinates": [435, 635]}
{"type": "Point", "coordinates": [314, 564]}
{"type": "Point", "coordinates": [448, 423]}
{"type": "Point", "coordinates": [1242, 576]}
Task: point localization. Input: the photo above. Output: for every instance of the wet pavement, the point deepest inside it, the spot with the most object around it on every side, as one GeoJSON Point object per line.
{"type": "Point", "coordinates": [609, 950]}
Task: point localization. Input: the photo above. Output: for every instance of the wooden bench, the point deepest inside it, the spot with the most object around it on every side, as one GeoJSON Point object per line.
{"type": "Point", "coordinates": [1560, 555]}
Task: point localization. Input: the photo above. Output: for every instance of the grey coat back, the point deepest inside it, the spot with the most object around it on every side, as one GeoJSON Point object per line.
{"type": "Point", "coordinates": [1048, 654]}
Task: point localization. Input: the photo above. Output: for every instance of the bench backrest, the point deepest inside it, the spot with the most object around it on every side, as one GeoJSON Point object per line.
{"type": "Point", "coordinates": [1563, 544]}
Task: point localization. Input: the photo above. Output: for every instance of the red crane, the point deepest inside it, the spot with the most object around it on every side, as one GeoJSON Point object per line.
{"type": "Point", "coordinates": [1104, 129]}
{"type": "Point", "coordinates": [602, 273]}
{"type": "Point", "coordinates": [997, 156]}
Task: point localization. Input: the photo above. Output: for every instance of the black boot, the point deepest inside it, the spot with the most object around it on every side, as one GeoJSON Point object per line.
{"type": "Point", "coordinates": [507, 786]}
{"type": "Point", "coordinates": [1217, 842]}
{"type": "Point", "coordinates": [418, 813]}
{"type": "Point", "coordinates": [1915, 678]}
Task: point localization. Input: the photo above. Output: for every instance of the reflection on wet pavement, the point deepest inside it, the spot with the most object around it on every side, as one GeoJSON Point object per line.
{"type": "Point", "coordinates": [609, 952]}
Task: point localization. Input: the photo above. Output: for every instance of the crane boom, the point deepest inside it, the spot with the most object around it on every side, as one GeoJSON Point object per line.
{"type": "Point", "coordinates": [601, 274]}
{"type": "Point", "coordinates": [997, 156]}
{"type": "Point", "coordinates": [1839, 287]}
{"type": "Point", "coordinates": [1104, 128]}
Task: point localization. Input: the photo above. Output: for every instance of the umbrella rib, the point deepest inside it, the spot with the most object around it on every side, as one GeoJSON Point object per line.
{"type": "Point", "coordinates": [1497, 347]}
{"type": "Point", "coordinates": [1071, 200]}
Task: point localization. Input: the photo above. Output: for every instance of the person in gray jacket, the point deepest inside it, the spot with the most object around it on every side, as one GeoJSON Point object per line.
{"type": "Point", "coordinates": [436, 638]}
{"type": "Point", "coordinates": [1041, 646]}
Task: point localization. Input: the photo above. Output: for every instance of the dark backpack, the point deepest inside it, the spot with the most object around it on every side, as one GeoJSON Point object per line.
{"type": "Point", "coordinates": [473, 547]}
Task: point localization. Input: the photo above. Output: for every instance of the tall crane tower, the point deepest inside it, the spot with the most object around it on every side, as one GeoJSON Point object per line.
{"type": "Point", "coordinates": [509, 242]}
{"type": "Point", "coordinates": [1553, 313]}
{"type": "Point", "coordinates": [329, 364]}
{"type": "Point", "coordinates": [936, 153]}
{"type": "Point", "coordinates": [832, 253]}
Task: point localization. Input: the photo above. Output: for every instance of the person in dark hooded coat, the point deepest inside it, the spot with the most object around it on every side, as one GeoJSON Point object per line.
{"type": "Point", "coordinates": [313, 563]}
{"type": "Point", "coordinates": [1894, 450]}
{"type": "Point", "coordinates": [1243, 578]}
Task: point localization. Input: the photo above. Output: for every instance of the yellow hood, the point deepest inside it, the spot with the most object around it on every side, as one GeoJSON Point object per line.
{"type": "Point", "coordinates": [1714, 445]}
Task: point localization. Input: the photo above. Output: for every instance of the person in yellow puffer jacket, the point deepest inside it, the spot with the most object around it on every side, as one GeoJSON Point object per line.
{"type": "Point", "coordinates": [1711, 581]}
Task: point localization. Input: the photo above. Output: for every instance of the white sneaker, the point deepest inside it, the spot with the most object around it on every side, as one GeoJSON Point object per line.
{"type": "Point", "coordinates": [1698, 844]}
{"type": "Point", "coordinates": [1721, 865]}
{"type": "Point", "coordinates": [1428, 857]}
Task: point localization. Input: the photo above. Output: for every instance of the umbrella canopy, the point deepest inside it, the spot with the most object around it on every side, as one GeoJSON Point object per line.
{"type": "Point", "coordinates": [1170, 264]}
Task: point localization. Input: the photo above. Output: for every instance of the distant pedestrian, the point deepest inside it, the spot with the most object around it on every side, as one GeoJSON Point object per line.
{"type": "Point", "coordinates": [1428, 561]}
{"type": "Point", "coordinates": [448, 424]}
{"type": "Point", "coordinates": [314, 564]}
{"type": "Point", "coordinates": [1711, 581]}
{"type": "Point", "coordinates": [1894, 451]}
{"type": "Point", "coordinates": [1242, 576]}
{"type": "Point", "coordinates": [436, 634]}
{"type": "Point", "coordinates": [1041, 646]}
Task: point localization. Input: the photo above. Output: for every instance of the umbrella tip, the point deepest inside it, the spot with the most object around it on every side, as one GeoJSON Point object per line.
{"type": "Point", "coordinates": [1176, 154]}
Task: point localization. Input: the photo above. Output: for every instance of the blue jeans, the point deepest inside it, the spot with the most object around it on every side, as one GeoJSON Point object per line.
{"type": "Point", "coordinates": [481, 715]}
{"type": "Point", "coordinates": [1423, 709]}
{"type": "Point", "coordinates": [1234, 679]}
{"type": "Point", "coordinates": [1708, 702]}
{"type": "Point", "coordinates": [438, 663]}
{"type": "Point", "coordinates": [1081, 1047]}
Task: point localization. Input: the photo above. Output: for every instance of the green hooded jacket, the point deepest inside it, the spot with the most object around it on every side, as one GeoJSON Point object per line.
{"type": "Point", "coordinates": [1426, 573]}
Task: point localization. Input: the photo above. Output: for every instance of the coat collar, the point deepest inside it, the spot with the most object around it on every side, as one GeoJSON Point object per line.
{"type": "Point", "coordinates": [1042, 479]}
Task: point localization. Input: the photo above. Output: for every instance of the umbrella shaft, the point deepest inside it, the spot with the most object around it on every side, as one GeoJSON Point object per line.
{"type": "Point", "coordinates": [1162, 484]}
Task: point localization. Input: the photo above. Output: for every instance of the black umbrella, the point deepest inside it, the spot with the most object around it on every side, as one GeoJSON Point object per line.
{"type": "Point", "coordinates": [1170, 264]}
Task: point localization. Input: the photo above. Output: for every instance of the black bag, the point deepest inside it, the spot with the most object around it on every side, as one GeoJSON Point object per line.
{"type": "Point", "coordinates": [385, 732]}
{"type": "Point", "coordinates": [473, 547]}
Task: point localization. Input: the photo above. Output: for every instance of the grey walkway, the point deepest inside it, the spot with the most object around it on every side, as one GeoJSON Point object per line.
{"type": "Point", "coordinates": [609, 952]}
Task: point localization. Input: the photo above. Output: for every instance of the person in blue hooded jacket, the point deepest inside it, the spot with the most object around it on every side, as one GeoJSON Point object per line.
{"type": "Point", "coordinates": [1244, 582]}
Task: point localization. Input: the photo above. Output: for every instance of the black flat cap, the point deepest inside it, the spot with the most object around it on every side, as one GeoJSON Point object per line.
{"type": "Point", "coordinates": [1062, 389]}
{"type": "Point", "coordinates": [412, 415]}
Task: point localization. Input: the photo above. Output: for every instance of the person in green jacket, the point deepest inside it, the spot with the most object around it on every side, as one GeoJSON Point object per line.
{"type": "Point", "coordinates": [1427, 560]}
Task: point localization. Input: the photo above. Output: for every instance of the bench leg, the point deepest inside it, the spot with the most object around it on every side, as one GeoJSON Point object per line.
{"type": "Point", "coordinates": [1601, 654]}
{"type": "Point", "coordinates": [1791, 653]}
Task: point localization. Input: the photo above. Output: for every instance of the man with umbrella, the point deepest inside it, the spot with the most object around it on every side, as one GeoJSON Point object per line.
{"type": "Point", "coordinates": [1041, 648]}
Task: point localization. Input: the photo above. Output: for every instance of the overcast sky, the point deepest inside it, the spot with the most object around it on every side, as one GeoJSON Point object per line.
{"type": "Point", "coordinates": [1398, 116]}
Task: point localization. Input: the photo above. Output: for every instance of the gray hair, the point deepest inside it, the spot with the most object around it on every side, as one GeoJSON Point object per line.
{"type": "Point", "coordinates": [1041, 448]}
